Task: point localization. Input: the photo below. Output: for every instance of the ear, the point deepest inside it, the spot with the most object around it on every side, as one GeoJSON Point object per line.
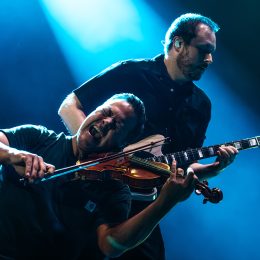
{"type": "Point", "coordinates": [177, 43]}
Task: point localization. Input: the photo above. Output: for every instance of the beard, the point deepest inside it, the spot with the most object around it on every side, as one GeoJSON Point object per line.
{"type": "Point", "coordinates": [190, 71]}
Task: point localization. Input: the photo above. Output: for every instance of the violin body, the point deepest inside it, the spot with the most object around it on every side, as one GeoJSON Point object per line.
{"type": "Point", "coordinates": [125, 170]}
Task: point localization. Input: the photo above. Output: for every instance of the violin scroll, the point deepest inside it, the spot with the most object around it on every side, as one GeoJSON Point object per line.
{"type": "Point", "coordinates": [214, 195]}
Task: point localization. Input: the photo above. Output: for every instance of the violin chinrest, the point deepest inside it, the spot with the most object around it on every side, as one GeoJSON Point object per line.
{"type": "Point", "coordinates": [156, 149]}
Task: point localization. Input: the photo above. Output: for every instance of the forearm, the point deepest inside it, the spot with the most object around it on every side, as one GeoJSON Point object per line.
{"type": "Point", "coordinates": [5, 153]}
{"type": "Point", "coordinates": [71, 113]}
{"type": "Point", "coordinates": [204, 171]}
{"type": "Point", "coordinates": [135, 230]}
{"type": "Point", "coordinates": [25, 163]}
{"type": "Point", "coordinates": [114, 241]}
{"type": "Point", "coordinates": [5, 150]}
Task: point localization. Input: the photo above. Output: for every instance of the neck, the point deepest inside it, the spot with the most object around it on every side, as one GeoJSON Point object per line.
{"type": "Point", "coordinates": [75, 146]}
{"type": "Point", "coordinates": [76, 151]}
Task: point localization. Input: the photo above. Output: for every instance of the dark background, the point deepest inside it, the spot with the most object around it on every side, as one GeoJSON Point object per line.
{"type": "Point", "coordinates": [36, 76]}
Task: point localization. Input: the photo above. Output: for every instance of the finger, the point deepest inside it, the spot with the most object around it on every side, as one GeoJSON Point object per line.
{"type": "Point", "coordinates": [50, 168]}
{"type": "Point", "coordinates": [228, 152]}
{"type": "Point", "coordinates": [173, 166]}
{"type": "Point", "coordinates": [189, 170]}
{"type": "Point", "coordinates": [173, 171]}
{"type": "Point", "coordinates": [233, 149]}
{"type": "Point", "coordinates": [28, 165]}
{"type": "Point", "coordinates": [191, 179]}
{"type": "Point", "coordinates": [216, 164]}
{"type": "Point", "coordinates": [42, 168]}
{"type": "Point", "coordinates": [223, 152]}
{"type": "Point", "coordinates": [35, 167]}
{"type": "Point", "coordinates": [180, 173]}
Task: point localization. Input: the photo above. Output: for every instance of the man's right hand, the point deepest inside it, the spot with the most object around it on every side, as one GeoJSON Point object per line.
{"type": "Point", "coordinates": [29, 165]}
{"type": "Point", "coordinates": [178, 187]}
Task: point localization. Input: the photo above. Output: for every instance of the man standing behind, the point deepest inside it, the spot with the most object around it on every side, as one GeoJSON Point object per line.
{"type": "Point", "coordinates": [175, 106]}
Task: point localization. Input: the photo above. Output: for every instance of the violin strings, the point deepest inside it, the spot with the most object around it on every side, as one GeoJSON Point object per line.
{"type": "Point", "coordinates": [111, 157]}
{"type": "Point", "coordinates": [150, 165]}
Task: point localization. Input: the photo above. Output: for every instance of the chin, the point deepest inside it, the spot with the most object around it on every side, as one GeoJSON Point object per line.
{"type": "Point", "coordinates": [194, 77]}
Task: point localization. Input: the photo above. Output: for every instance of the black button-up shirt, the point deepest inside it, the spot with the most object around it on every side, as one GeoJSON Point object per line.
{"type": "Point", "coordinates": [181, 112]}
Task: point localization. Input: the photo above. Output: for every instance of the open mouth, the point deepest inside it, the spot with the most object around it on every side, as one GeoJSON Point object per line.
{"type": "Point", "coordinates": [95, 132]}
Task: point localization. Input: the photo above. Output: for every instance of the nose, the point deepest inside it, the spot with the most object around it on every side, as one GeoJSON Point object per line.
{"type": "Point", "coordinates": [208, 58]}
{"type": "Point", "coordinates": [108, 120]}
{"type": "Point", "coordinates": [108, 123]}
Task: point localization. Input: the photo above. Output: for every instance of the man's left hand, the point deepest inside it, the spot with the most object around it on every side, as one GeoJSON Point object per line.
{"type": "Point", "coordinates": [226, 155]}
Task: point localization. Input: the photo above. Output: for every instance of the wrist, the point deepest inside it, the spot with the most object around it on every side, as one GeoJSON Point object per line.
{"type": "Point", "coordinates": [11, 156]}
{"type": "Point", "coordinates": [213, 170]}
{"type": "Point", "coordinates": [6, 154]}
{"type": "Point", "coordinates": [164, 205]}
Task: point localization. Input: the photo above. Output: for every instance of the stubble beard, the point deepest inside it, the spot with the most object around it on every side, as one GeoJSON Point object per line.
{"type": "Point", "coordinates": [187, 68]}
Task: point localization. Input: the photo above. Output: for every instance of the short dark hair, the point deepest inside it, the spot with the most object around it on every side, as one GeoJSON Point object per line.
{"type": "Point", "coordinates": [139, 111]}
{"type": "Point", "coordinates": [185, 27]}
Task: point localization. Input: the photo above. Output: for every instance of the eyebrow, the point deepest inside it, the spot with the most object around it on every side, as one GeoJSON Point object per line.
{"type": "Point", "coordinates": [206, 47]}
{"type": "Point", "coordinates": [119, 120]}
{"type": "Point", "coordinates": [107, 109]}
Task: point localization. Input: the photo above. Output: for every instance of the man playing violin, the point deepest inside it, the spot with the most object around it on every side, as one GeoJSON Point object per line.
{"type": "Point", "coordinates": [72, 219]}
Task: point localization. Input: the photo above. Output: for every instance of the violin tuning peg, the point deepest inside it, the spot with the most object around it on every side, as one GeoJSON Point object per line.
{"type": "Point", "coordinates": [205, 200]}
{"type": "Point", "coordinates": [197, 192]}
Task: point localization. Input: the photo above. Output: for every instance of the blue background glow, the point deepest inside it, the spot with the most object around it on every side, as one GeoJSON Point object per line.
{"type": "Point", "coordinates": [50, 47]}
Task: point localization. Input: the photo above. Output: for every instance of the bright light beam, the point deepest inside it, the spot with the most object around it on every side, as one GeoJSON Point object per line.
{"type": "Point", "coordinates": [102, 30]}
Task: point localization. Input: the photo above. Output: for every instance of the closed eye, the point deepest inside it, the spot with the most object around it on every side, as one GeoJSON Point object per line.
{"type": "Point", "coordinates": [206, 49]}
{"type": "Point", "coordinates": [107, 112]}
{"type": "Point", "coordinates": [117, 122]}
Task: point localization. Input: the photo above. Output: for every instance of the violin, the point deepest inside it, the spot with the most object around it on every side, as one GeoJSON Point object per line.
{"type": "Point", "coordinates": [142, 175]}
{"type": "Point", "coordinates": [139, 174]}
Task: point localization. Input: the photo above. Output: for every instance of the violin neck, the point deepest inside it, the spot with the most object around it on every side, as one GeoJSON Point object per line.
{"type": "Point", "coordinates": [191, 155]}
{"type": "Point", "coordinates": [151, 166]}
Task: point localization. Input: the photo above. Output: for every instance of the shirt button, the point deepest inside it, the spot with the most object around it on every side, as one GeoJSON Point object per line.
{"type": "Point", "coordinates": [172, 90]}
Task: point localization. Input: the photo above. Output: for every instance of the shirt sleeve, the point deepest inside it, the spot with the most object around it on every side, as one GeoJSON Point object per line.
{"type": "Point", "coordinates": [25, 137]}
{"type": "Point", "coordinates": [97, 90]}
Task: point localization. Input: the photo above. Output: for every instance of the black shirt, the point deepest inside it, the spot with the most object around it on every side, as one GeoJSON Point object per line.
{"type": "Point", "coordinates": [55, 218]}
{"type": "Point", "coordinates": [181, 112]}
